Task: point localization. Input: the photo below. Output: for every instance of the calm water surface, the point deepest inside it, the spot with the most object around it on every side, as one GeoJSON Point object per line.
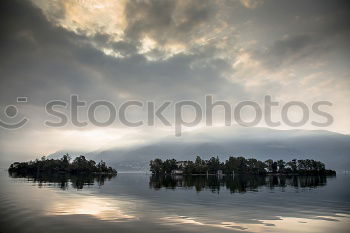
{"type": "Point", "coordinates": [143, 203]}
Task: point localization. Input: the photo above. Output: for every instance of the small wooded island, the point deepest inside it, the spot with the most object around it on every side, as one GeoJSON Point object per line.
{"type": "Point", "coordinates": [238, 165]}
{"type": "Point", "coordinates": [80, 165]}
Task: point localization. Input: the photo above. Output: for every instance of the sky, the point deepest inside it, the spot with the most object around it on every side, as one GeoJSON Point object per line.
{"type": "Point", "coordinates": [145, 50]}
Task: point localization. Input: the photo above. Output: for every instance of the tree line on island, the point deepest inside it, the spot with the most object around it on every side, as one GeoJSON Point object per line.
{"type": "Point", "coordinates": [239, 165]}
{"type": "Point", "coordinates": [80, 165]}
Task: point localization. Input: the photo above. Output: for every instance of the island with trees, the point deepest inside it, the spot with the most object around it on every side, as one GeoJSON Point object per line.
{"type": "Point", "coordinates": [238, 165]}
{"type": "Point", "coordinates": [80, 165]}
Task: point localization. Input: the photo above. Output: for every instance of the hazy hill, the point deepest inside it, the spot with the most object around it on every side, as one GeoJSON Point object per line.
{"type": "Point", "coordinates": [261, 143]}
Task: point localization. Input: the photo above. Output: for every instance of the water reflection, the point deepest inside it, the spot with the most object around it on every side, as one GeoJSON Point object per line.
{"type": "Point", "coordinates": [132, 203]}
{"type": "Point", "coordinates": [63, 180]}
{"type": "Point", "coordinates": [280, 224]}
{"type": "Point", "coordinates": [103, 208]}
{"type": "Point", "coordinates": [240, 184]}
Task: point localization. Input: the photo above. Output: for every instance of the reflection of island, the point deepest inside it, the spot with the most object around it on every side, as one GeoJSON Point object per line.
{"type": "Point", "coordinates": [62, 180]}
{"type": "Point", "coordinates": [237, 183]}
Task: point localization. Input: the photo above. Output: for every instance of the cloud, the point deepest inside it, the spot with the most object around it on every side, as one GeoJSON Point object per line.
{"type": "Point", "coordinates": [63, 62]}
{"type": "Point", "coordinates": [167, 21]}
{"type": "Point", "coordinates": [251, 3]}
{"type": "Point", "coordinates": [290, 50]}
{"type": "Point", "coordinates": [171, 27]}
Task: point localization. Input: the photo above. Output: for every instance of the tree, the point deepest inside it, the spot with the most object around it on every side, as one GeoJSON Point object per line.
{"type": "Point", "coordinates": [169, 165]}
{"type": "Point", "coordinates": [200, 166]}
{"type": "Point", "coordinates": [231, 165]}
{"type": "Point", "coordinates": [274, 167]}
{"type": "Point", "coordinates": [269, 163]}
{"type": "Point", "coordinates": [261, 167]}
{"type": "Point", "coordinates": [242, 165]}
{"type": "Point", "coordinates": [281, 165]}
{"type": "Point", "coordinates": [213, 165]}
{"type": "Point", "coordinates": [65, 161]}
{"type": "Point", "coordinates": [237, 165]}
{"type": "Point", "coordinates": [189, 168]}
{"type": "Point", "coordinates": [156, 166]}
{"type": "Point", "coordinates": [293, 165]}
{"type": "Point", "coordinates": [252, 166]}
{"type": "Point", "coordinates": [79, 165]}
{"type": "Point", "coordinates": [301, 165]}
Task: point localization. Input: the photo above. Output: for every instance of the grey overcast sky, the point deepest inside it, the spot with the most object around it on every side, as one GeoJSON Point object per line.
{"type": "Point", "coordinates": [147, 50]}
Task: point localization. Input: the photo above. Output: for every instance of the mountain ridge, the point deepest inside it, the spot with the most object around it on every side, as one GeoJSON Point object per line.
{"type": "Point", "coordinates": [261, 143]}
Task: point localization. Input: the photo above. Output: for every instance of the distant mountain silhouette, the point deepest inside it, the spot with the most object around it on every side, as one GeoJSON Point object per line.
{"type": "Point", "coordinates": [262, 143]}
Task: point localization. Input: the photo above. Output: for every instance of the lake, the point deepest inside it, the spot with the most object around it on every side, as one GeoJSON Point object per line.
{"type": "Point", "coordinates": [133, 202]}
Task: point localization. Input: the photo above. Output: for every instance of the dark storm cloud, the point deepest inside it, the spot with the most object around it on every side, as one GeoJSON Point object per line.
{"type": "Point", "coordinates": [44, 61]}
{"type": "Point", "coordinates": [290, 50]}
{"type": "Point", "coordinates": [36, 56]}
{"type": "Point", "coordinates": [315, 30]}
